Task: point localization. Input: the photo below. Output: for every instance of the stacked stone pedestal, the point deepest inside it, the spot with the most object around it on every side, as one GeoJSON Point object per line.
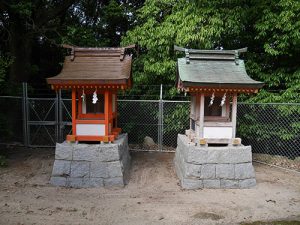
{"type": "Point", "coordinates": [213, 167]}
{"type": "Point", "coordinates": [91, 165]}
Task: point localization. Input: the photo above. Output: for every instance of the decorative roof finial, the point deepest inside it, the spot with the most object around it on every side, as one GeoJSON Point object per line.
{"type": "Point", "coordinates": [236, 56]}
{"type": "Point", "coordinates": [187, 56]}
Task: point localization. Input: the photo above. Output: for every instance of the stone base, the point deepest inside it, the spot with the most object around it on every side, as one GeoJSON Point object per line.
{"type": "Point", "coordinates": [91, 165]}
{"type": "Point", "coordinates": [213, 167]}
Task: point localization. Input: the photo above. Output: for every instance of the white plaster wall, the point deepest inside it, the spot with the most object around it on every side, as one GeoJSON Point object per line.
{"type": "Point", "coordinates": [217, 132]}
{"type": "Point", "coordinates": [90, 129]}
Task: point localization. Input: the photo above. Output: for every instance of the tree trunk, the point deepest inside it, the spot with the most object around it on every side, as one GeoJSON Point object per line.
{"type": "Point", "coordinates": [20, 45]}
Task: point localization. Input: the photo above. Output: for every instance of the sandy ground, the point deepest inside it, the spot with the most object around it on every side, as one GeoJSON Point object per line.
{"type": "Point", "coordinates": [153, 196]}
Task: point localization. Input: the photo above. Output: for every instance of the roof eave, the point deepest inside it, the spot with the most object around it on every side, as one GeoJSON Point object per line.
{"type": "Point", "coordinates": [58, 81]}
{"type": "Point", "coordinates": [223, 85]}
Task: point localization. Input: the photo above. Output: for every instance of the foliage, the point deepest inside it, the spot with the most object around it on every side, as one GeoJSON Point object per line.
{"type": "Point", "coordinates": [6, 88]}
{"type": "Point", "coordinates": [31, 31]}
{"type": "Point", "coordinates": [278, 31]}
{"type": "Point", "coordinates": [165, 23]}
{"type": "Point", "coordinates": [270, 128]}
{"type": "Point", "coordinates": [270, 30]}
{"type": "Point", "coordinates": [272, 37]}
{"type": "Point", "coordinates": [97, 23]}
{"type": "Point", "coordinates": [143, 120]}
{"type": "Point", "coordinates": [5, 62]}
{"type": "Point", "coordinates": [24, 24]}
{"type": "Point", "coordinates": [175, 118]}
{"type": "Point", "coordinates": [175, 121]}
{"type": "Point", "coordinates": [279, 26]}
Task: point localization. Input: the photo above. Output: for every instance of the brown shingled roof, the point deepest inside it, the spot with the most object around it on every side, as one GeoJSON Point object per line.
{"type": "Point", "coordinates": [94, 66]}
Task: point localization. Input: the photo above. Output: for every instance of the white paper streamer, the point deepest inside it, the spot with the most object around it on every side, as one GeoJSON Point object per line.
{"type": "Point", "coordinates": [212, 98]}
{"type": "Point", "coordinates": [95, 98]}
{"type": "Point", "coordinates": [223, 99]}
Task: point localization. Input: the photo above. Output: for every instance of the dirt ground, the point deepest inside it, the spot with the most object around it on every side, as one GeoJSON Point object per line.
{"type": "Point", "coordinates": [152, 196]}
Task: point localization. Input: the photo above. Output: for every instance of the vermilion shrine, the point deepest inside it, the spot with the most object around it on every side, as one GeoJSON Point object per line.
{"type": "Point", "coordinates": [94, 75]}
{"type": "Point", "coordinates": [210, 155]}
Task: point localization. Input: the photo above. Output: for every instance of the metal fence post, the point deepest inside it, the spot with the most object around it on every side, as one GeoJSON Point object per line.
{"type": "Point", "coordinates": [57, 135]}
{"type": "Point", "coordinates": [158, 125]}
{"type": "Point", "coordinates": [160, 119]}
{"type": "Point", "coordinates": [25, 113]}
{"type": "Point", "coordinates": [60, 116]}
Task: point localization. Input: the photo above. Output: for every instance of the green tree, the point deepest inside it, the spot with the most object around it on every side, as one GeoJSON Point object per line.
{"type": "Point", "coordinates": [269, 28]}
{"type": "Point", "coordinates": [24, 21]}
{"type": "Point", "coordinates": [278, 64]}
{"type": "Point", "coordinates": [161, 24]}
{"type": "Point", "coordinates": [5, 62]}
{"type": "Point", "coordinates": [31, 31]}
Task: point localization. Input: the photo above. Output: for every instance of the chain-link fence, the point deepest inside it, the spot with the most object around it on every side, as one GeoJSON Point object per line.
{"type": "Point", "coordinates": [153, 125]}
{"type": "Point", "coordinates": [273, 130]}
{"type": "Point", "coordinates": [11, 120]}
{"type": "Point", "coordinates": [139, 118]}
{"type": "Point", "coordinates": [176, 120]}
{"type": "Point", "coordinates": [41, 121]}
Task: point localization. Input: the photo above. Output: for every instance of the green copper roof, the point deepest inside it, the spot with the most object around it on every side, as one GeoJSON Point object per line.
{"type": "Point", "coordinates": [214, 68]}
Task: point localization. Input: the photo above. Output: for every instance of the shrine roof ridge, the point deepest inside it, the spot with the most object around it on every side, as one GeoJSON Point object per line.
{"type": "Point", "coordinates": [76, 48]}
{"type": "Point", "coordinates": [207, 51]}
{"type": "Point", "coordinates": [204, 54]}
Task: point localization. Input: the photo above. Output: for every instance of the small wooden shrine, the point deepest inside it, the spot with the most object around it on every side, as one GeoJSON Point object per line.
{"type": "Point", "coordinates": [213, 78]}
{"type": "Point", "coordinates": [94, 75]}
